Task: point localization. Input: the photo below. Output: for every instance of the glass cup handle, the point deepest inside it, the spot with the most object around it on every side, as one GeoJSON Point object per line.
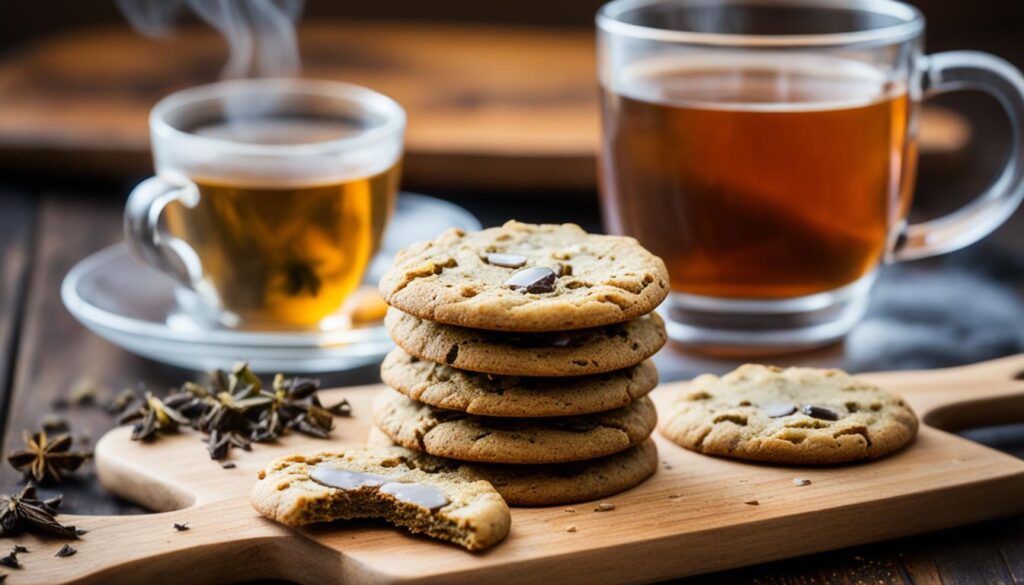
{"type": "Point", "coordinates": [971, 70]}
{"type": "Point", "coordinates": [147, 242]}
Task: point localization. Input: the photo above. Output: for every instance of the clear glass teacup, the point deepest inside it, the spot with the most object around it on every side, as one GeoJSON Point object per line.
{"type": "Point", "coordinates": [270, 197]}
{"type": "Point", "coordinates": [766, 149]}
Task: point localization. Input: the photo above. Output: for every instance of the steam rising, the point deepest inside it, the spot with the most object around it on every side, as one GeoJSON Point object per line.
{"type": "Point", "coordinates": [260, 33]}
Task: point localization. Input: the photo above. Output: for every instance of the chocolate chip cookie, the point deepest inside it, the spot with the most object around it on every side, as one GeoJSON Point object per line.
{"type": "Point", "coordinates": [569, 353]}
{"type": "Point", "coordinates": [526, 278]}
{"type": "Point", "coordinates": [381, 483]}
{"type": "Point", "coordinates": [546, 485]}
{"type": "Point", "coordinates": [457, 435]}
{"type": "Point", "coordinates": [789, 416]}
{"type": "Point", "coordinates": [514, 396]}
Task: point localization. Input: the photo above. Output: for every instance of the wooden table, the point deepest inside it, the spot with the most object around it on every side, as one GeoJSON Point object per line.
{"type": "Point", "coordinates": [43, 351]}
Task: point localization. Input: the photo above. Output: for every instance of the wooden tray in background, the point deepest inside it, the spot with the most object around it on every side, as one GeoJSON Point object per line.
{"type": "Point", "coordinates": [497, 107]}
{"type": "Point", "coordinates": [689, 518]}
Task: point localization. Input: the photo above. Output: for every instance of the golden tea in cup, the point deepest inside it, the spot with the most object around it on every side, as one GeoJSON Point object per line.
{"type": "Point", "coordinates": [274, 193]}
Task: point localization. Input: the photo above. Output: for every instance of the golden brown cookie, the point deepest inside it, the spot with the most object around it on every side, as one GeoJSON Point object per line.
{"type": "Point", "coordinates": [789, 416]}
{"type": "Point", "coordinates": [457, 435]}
{"type": "Point", "coordinates": [570, 353]}
{"type": "Point", "coordinates": [527, 278]}
{"type": "Point", "coordinates": [380, 483]}
{"type": "Point", "coordinates": [514, 396]}
{"type": "Point", "coordinates": [547, 485]}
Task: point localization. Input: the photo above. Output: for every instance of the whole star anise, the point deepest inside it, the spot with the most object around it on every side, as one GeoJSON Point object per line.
{"type": "Point", "coordinates": [294, 404]}
{"type": "Point", "coordinates": [235, 410]}
{"type": "Point", "coordinates": [45, 459]}
{"type": "Point", "coordinates": [25, 512]}
{"type": "Point", "coordinates": [156, 415]}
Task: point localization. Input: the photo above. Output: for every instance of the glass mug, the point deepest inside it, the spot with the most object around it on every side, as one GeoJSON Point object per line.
{"type": "Point", "coordinates": [766, 150]}
{"type": "Point", "coordinates": [270, 197]}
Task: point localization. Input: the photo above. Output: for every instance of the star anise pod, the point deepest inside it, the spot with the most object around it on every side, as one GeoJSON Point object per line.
{"type": "Point", "coordinates": [25, 512]}
{"type": "Point", "coordinates": [234, 410]}
{"type": "Point", "coordinates": [156, 416]}
{"type": "Point", "coordinates": [294, 404]}
{"type": "Point", "coordinates": [45, 459]}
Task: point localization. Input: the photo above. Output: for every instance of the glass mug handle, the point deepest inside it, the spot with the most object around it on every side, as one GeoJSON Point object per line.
{"type": "Point", "coordinates": [971, 70]}
{"type": "Point", "coordinates": [146, 241]}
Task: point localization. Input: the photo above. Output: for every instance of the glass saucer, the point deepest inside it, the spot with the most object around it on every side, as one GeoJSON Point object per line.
{"type": "Point", "coordinates": [139, 310]}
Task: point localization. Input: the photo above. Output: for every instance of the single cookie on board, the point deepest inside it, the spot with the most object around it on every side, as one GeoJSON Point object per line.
{"type": "Point", "coordinates": [526, 277]}
{"type": "Point", "coordinates": [789, 416]}
{"type": "Point", "coordinates": [568, 353]}
{"type": "Point", "coordinates": [380, 483]}
{"type": "Point", "coordinates": [457, 435]}
{"type": "Point", "coordinates": [514, 396]}
{"type": "Point", "coordinates": [546, 485]}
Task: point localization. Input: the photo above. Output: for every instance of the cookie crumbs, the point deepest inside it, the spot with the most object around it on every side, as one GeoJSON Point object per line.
{"type": "Point", "coordinates": [571, 510]}
{"type": "Point", "coordinates": [752, 502]}
{"type": "Point", "coordinates": [801, 481]}
{"type": "Point", "coordinates": [571, 529]}
{"type": "Point", "coordinates": [605, 507]}
{"type": "Point", "coordinates": [674, 496]}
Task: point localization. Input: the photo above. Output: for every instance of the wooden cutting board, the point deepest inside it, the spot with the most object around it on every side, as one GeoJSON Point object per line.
{"type": "Point", "coordinates": [500, 107]}
{"type": "Point", "coordinates": [689, 518]}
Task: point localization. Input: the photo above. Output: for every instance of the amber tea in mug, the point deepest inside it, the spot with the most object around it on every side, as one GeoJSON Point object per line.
{"type": "Point", "coordinates": [766, 150]}
{"type": "Point", "coordinates": [756, 176]}
{"type": "Point", "coordinates": [277, 231]}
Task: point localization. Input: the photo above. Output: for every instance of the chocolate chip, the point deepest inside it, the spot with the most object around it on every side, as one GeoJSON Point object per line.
{"type": "Point", "coordinates": [819, 412]}
{"type": "Point", "coordinates": [752, 502]}
{"type": "Point", "coordinates": [538, 279]}
{"type": "Point", "coordinates": [506, 260]}
{"type": "Point", "coordinates": [778, 409]}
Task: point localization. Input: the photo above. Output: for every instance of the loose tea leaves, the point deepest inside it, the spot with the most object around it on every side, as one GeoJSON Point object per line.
{"type": "Point", "coordinates": [45, 459]}
{"type": "Point", "coordinates": [25, 512]}
{"type": "Point", "coordinates": [65, 551]}
{"type": "Point", "coordinates": [235, 410]}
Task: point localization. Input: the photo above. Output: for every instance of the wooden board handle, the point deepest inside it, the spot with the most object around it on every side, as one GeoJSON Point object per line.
{"type": "Point", "coordinates": [987, 393]}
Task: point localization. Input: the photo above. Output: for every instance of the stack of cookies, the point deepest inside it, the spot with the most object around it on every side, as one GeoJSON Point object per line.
{"type": "Point", "coordinates": [522, 359]}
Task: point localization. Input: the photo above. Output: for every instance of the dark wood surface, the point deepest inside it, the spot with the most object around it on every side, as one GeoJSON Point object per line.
{"type": "Point", "coordinates": [44, 352]}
